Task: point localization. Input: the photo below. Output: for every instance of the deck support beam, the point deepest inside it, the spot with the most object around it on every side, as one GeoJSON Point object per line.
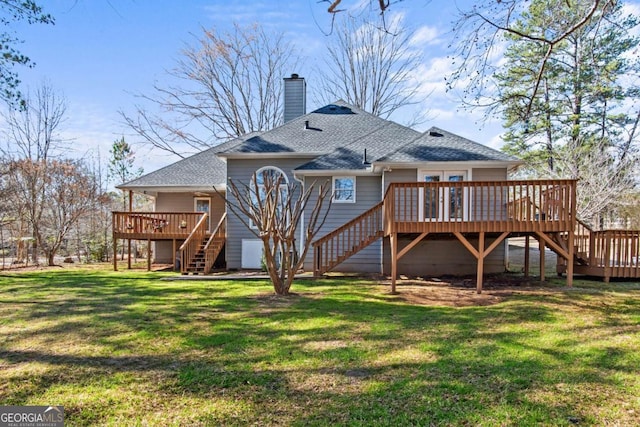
{"type": "Point", "coordinates": [558, 249]}
{"type": "Point", "coordinates": [480, 270]}
{"type": "Point", "coordinates": [115, 254]}
{"type": "Point", "coordinates": [393, 241]}
{"type": "Point", "coordinates": [542, 247]}
{"type": "Point", "coordinates": [411, 245]}
{"type": "Point", "coordinates": [527, 251]}
{"type": "Point", "coordinates": [480, 253]}
{"type": "Point", "coordinates": [148, 254]}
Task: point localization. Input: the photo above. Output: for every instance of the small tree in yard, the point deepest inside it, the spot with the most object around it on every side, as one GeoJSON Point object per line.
{"type": "Point", "coordinates": [275, 209]}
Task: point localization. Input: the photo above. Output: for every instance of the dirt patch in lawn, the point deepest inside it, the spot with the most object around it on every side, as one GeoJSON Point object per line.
{"type": "Point", "coordinates": [461, 291]}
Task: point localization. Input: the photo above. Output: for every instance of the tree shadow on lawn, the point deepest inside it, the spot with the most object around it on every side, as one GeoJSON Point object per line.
{"type": "Point", "coordinates": [316, 353]}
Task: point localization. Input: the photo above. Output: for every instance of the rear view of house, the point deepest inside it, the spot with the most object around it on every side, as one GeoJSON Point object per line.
{"type": "Point", "coordinates": [417, 203]}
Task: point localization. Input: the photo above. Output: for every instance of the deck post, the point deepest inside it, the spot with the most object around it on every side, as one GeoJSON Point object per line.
{"type": "Point", "coordinates": [148, 254]}
{"type": "Point", "coordinates": [115, 254]}
{"type": "Point", "coordinates": [173, 254]}
{"type": "Point", "coordinates": [527, 247]}
{"type": "Point", "coordinates": [571, 235]}
{"type": "Point", "coordinates": [129, 240]}
{"type": "Point", "coordinates": [542, 247]}
{"type": "Point", "coordinates": [393, 240]}
{"type": "Point", "coordinates": [481, 255]}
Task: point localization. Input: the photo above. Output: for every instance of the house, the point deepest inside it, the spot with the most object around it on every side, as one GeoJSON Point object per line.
{"type": "Point", "coordinates": [416, 203]}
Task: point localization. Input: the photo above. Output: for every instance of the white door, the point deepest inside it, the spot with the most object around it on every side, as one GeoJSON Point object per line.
{"type": "Point", "coordinates": [203, 204]}
{"type": "Point", "coordinates": [443, 203]}
{"type": "Point", "coordinates": [251, 254]}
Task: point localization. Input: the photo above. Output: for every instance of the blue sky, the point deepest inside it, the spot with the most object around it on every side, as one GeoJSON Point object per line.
{"type": "Point", "coordinates": [100, 53]}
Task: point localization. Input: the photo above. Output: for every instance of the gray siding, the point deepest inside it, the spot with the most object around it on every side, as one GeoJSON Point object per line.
{"type": "Point", "coordinates": [400, 175]}
{"type": "Point", "coordinates": [443, 257]}
{"type": "Point", "coordinates": [489, 174]}
{"type": "Point", "coordinates": [367, 195]}
{"type": "Point", "coordinates": [241, 171]}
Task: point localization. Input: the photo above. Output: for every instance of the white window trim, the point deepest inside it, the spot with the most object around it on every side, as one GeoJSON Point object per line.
{"type": "Point", "coordinates": [258, 172]}
{"type": "Point", "coordinates": [195, 208]}
{"type": "Point", "coordinates": [333, 189]}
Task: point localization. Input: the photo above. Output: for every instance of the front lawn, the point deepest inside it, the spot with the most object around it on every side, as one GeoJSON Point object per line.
{"type": "Point", "coordinates": [127, 348]}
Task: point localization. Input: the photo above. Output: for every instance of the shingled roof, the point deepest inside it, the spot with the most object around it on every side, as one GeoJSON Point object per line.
{"type": "Point", "coordinates": [319, 132]}
{"type": "Point", "coordinates": [437, 145]}
{"type": "Point", "coordinates": [338, 134]}
{"type": "Point", "coordinates": [202, 170]}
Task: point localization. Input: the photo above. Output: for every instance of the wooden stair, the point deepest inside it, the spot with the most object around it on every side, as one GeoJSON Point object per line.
{"type": "Point", "coordinates": [606, 253]}
{"type": "Point", "coordinates": [347, 240]}
{"type": "Point", "coordinates": [202, 261]}
{"type": "Point", "coordinates": [199, 251]}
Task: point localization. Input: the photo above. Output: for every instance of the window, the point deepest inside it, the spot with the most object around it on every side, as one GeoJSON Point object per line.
{"type": "Point", "coordinates": [269, 174]}
{"type": "Point", "coordinates": [344, 189]}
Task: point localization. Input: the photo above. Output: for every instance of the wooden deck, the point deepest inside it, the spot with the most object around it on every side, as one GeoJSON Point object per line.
{"type": "Point", "coordinates": [606, 253]}
{"type": "Point", "coordinates": [198, 248]}
{"type": "Point", "coordinates": [154, 225]}
{"type": "Point", "coordinates": [542, 208]}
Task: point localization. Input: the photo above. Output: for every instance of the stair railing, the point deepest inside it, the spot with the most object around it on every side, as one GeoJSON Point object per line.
{"type": "Point", "coordinates": [191, 245]}
{"type": "Point", "coordinates": [355, 235]}
{"type": "Point", "coordinates": [215, 242]}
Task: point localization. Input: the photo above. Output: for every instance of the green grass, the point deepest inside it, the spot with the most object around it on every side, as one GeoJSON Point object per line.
{"type": "Point", "coordinates": [127, 348]}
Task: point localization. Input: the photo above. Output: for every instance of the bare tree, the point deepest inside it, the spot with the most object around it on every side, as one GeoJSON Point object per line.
{"type": "Point", "coordinates": [67, 192]}
{"type": "Point", "coordinates": [228, 85]}
{"type": "Point", "coordinates": [32, 135]}
{"type": "Point", "coordinates": [275, 209]}
{"type": "Point", "coordinates": [372, 68]}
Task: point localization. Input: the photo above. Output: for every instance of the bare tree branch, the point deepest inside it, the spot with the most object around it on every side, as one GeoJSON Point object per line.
{"type": "Point", "coordinates": [275, 209]}
{"type": "Point", "coordinates": [372, 69]}
{"type": "Point", "coordinates": [228, 85]}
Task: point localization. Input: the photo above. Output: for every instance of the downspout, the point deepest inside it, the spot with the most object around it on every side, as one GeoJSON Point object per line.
{"type": "Point", "coordinates": [302, 234]}
{"type": "Point", "coordinates": [382, 191]}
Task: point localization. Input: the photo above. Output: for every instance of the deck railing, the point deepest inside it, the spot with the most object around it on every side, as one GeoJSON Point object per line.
{"type": "Point", "coordinates": [341, 243]}
{"type": "Point", "coordinates": [618, 251]}
{"type": "Point", "coordinates": [474, 206]}
{"type": "Point", "coordinates": [192, 244]}
{"type": "Point", "coordinates": [154, 224]}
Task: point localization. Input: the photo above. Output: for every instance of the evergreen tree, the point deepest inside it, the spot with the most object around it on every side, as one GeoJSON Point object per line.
{"type": "Point", "coordinates": [578, 124]}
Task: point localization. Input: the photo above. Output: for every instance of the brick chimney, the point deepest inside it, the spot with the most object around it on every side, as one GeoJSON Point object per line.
{"type": "Point", "coordinates": [295, 97]}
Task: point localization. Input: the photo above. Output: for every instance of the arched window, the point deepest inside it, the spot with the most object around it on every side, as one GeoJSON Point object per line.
{"type": "Point", "coordinates": [265, 177]}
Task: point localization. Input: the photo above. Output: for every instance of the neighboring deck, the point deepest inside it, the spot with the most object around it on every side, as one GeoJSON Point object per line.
{"type": "Point", "coordinates": [154, 225]}
{"type": "Point", "coordinates": [198, 248]}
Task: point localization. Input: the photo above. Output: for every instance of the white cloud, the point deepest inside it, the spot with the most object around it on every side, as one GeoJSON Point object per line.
{"type": "Point", "coordinates": [425, 36]}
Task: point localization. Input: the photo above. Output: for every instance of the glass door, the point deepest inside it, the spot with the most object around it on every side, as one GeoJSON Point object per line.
{"type": "Point", "coordinates": [443, 203]}
{"type": "Point", "coordinates": [430, 200]}
{"type": "Point", "coordinates": [456, 200]}
{"type": "Point", "coordinates": [203, 204]}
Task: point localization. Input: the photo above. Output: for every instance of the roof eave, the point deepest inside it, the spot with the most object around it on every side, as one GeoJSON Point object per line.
{"type": "Point", "coordinates": [153, 190]}
{"type": "Point", "coordinates": [462, 164]}
{"type": "Point", "coordinates": [272, 155]}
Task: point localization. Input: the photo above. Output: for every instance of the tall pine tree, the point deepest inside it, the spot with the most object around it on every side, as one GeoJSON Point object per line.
{"type": "Point", "coordinates": [581, 108]}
